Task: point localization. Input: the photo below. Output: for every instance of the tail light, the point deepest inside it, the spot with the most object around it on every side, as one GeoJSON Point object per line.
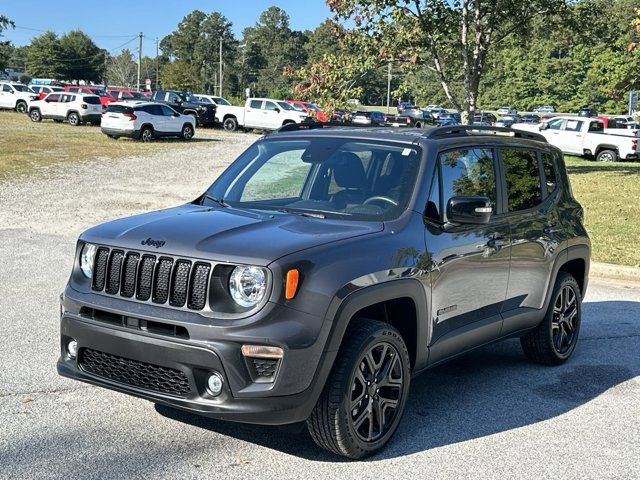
{"type": "Point", "coordinates": [634, 144]}
{"type": "Point", "coordinates": [408, 120]}
{"type": "Point", "coordinates": [130, 116]}
{"type": "Point", "coordinates": [84, 106]}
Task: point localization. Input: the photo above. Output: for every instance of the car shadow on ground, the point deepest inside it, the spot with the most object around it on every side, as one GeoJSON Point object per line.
{"type": "Point", "coordinates": [490, 390]}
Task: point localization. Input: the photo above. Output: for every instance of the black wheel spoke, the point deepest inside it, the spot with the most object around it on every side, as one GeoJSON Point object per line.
{"type": "Point", "coordinates": [376, 391]}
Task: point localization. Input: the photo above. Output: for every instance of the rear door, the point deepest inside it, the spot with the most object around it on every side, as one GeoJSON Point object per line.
{"type": "Point", "coordinates": [536, 231]}
{"type": "Point", "coordinates": [470, 263]}
{"type": "Point", "coordinates": [572, 137]}
{"type": "Point", "coordinates": [171, 123]}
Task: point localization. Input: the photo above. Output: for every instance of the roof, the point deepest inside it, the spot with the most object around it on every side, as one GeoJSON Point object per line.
{"type": "Point", "coordinates": [405, 134]}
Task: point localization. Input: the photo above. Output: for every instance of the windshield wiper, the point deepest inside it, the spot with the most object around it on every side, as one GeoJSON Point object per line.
{"type": "Point", "coordinates": [302, 213]}
{"type": "Point", "coordinates": [217, 200]}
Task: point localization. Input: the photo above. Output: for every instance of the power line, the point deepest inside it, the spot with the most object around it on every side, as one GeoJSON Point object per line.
{"type": "Point", "coordinates": [57, 33]}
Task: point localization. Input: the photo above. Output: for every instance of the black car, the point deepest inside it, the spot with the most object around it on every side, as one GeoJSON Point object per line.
{"type": "Point", "coordinates": [204, 113]}
{"type": "Point", "coordinates": [530, 118]}
{"type": "Point", "coordinates": [587, 111]}
{"type": "Point", "coordinates": [325, 268]}
{"type": "Point", "coordinates": [412, 117]}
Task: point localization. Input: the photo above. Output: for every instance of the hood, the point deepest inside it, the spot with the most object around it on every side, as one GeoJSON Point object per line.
{"type": "Point", "coordinates": [224, 234]}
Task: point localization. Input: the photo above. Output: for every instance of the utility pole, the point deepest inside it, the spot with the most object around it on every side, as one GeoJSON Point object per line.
{"type": "Point", "coordinates": [139, 60]}
{"type": "Point", "coordinates": [157, 63]}
{"type": "Point", "coordinates": [388, 86]}
{"type": "Point", "coordinates": [220, 75]}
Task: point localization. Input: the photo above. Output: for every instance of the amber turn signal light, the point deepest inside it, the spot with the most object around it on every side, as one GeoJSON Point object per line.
{"type": "Point", "coordinates": [291, 286]}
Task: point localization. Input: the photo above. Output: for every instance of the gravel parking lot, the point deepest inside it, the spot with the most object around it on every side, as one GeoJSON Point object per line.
{"type": "Point", "coordinates": [490, 414]}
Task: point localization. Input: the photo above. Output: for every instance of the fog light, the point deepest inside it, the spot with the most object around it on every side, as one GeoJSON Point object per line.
{"type": "Point", "coordinates": [214, 384]}
{"type": "Point", "coordinates": [72, 348]}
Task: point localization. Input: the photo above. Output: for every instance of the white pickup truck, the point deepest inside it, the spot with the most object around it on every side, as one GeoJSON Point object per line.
{"type": "Point", "coordinates": [259, 113]}
{"type": "Point", "coordinates": [585, 137]}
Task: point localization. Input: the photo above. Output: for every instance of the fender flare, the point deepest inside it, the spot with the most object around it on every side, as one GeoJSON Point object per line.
{"type": "Point", "coordinates": [573, 252]}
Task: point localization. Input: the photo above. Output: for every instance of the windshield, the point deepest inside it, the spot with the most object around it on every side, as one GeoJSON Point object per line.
{"type": "Point", "coordinates": [329, 177]}
{"type": "Point", "coordinates": [98, 91]}
{"type": "Point", "coordinates": [220, 101]}
{"type": "Point", "coordinates": [285, 106]}
{"type": "Point", "coordinates": [23, 88]}
{"type": "Point", "coordinates": [313, 106]}
{"type": "Point", "coordinates": [297, 107]}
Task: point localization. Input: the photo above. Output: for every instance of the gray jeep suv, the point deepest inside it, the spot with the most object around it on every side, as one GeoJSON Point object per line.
{"type": "Point", "coordinates": [324, 269]}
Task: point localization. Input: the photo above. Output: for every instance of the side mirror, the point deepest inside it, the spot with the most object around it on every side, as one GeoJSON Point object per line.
{"type": "Point", "coordinates": [474, 210]}
{"type": "Point", "coordinates": [277, 110]}
{"type": "Point", "coordinates": [544, 126]}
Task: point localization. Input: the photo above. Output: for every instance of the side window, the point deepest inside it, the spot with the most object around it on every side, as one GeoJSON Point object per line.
{"type": "Point", "coordinates": [573, 126]}
{"type": "Point", "coordinates": [74, 89]}
{"type": "Point", "coordinates": [164, 110]}
{"type": "Point", "coordinates": [556, 124]}
{"type": "Point", "coordinates": [468, 172]}
{"type": "Point", "coordinates": [173, 98]}
{"type": "Point", "coordinates": [257, 104]}
{"type": "Point", "coordinates": [54, 97]}
{"type": "Point", "coordinates": [6, 88]}
{"type": "Point", "coordinates": [269, 106]}
{"type": "Point", "coordinates": [523, 178]}
{"type": "Point", "coordinates": [598, 127]}
{"type": "Point", "coordinates": [549, 172]}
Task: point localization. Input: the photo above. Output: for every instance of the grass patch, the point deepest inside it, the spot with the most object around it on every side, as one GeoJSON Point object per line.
{"type": "Point", "coordinates": [25, 145]}
{"type": "Point", "coordinates": [609, 193]}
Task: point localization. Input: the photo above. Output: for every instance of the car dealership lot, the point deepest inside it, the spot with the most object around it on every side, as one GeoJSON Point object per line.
{"type": "Point", "coordinates": [490, 414]}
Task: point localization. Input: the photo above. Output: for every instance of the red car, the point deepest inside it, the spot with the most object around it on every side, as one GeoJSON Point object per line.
{"type": "Point", "coordinates": [127, 94]}
{"type": "Point", "coordinates": [313, 110]}
{"type": "Point", "coordinates": [105, 98]}
{"type": "Point", "coordinates": [44, 90]}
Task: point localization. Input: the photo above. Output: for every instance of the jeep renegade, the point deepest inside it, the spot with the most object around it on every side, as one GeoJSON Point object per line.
{"type": "Point", "coordinates": [323, 269]}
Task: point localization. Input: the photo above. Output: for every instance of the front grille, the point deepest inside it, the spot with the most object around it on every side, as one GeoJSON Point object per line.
{"type": "Point", "coordinates": [147, 277]}
{"type": "Point", "coordinates": [135, 373]}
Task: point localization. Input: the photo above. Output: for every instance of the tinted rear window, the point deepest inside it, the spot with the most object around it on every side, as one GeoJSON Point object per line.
{"type": "Point", "coordinates": [119, 109]}
{"type": "Point", "coordinates": [91, 100]}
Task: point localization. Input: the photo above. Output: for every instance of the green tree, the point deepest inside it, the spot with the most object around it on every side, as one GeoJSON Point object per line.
{"type": "Point", "coordinates": [274, 50]}
{"type": "Point", "coordinates": [196, 41]}
{"type": "Point", "coordinates": [45, 57]}
{"type": "Point", "coordinates": [452, 39]}
{"type": "Point", "coordinates": [179, 75]}
{"type": "Point", "coordinates": [81, 58]}
{"type": "Point", "coordinates": [6, 49]}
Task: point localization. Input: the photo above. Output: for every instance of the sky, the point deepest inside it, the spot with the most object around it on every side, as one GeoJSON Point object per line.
{"type": "Point", "coordinates": [114, 24]}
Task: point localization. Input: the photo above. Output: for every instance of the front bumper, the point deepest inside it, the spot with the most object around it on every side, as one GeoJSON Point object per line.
{"type": "Point", "coordinates": [207, 118]}
{"type": "Point", "coordinates": [289, 398]}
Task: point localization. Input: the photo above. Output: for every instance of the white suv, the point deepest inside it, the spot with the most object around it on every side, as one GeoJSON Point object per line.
{"type": "Point", "coordinates": [146, 121]}
{"type": "Point", "coordinates": [15, 96]}
{"type": "Point", "coordinates": [75, 108]}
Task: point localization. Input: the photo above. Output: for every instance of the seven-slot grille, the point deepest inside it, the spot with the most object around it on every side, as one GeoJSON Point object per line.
{"type": "Point", "coordinates": [160, 279]}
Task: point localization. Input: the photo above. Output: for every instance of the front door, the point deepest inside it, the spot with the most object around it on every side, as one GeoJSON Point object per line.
{"type": "Point", "coordinates": [7, 97]}
{"type": "Point", "coordinates": [470, 263]}
{"type": "Point", "coordinates": [572, 138]}
{"type": "Point", "coordinates": [271, 115]}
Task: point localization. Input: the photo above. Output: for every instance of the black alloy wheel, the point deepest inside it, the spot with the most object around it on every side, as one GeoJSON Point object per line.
{"type": "Point", "coordinates": [376, 392]}
{"type": "Point", "coordinates": [564, 324]}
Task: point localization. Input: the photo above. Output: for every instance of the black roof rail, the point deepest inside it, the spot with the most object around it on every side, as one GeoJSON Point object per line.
{"type": "Point", "coordinates": [294, 127]}
{"type": "Point", "coordinates": [459, 130]}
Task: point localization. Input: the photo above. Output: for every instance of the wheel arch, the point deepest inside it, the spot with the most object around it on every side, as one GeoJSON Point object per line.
{"type": "Point", "coordinates": [69, 112]}
{"type": "Point", "coordinates": [574, 260]}
{"type": "Point", "coordinates": [401, 303]}
{"type": "Point", "coordinates": [229, 115]}
{"type": "Point", "coordinates": [602, 147]}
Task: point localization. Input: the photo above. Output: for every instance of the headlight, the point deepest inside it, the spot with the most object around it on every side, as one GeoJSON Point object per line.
{"type": "Point", "coordinates": [87, 255]}
{"type": "Point", "coordinates": [248, 285]}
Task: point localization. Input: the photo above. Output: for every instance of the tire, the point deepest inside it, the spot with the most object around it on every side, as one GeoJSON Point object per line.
{"type": "Point", "coordinates": [21, 107]}
{"type": "Point", "coordinates": [230, 124]}
{"type": "Point", "coordinates": [187, 131]}
{"type": "Point", "coordinates": [74, 119]}
{"type": "Point", "coordinates": [339, 422]}
{"type": "Point", "coordinates": [418, 125]}
{"type": "Point", "coordinates": [146, 134]}
{"type": "Point", "coordinates": [554, 340]}
{"type": "Point", "coordinates": [35, 115]}
{"type": "Point", "coordinates": [112, 137]}
{"type": "Point", "coordinates": [287, 122]}
{"type": "Point", "coordinates": [607, 156]}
